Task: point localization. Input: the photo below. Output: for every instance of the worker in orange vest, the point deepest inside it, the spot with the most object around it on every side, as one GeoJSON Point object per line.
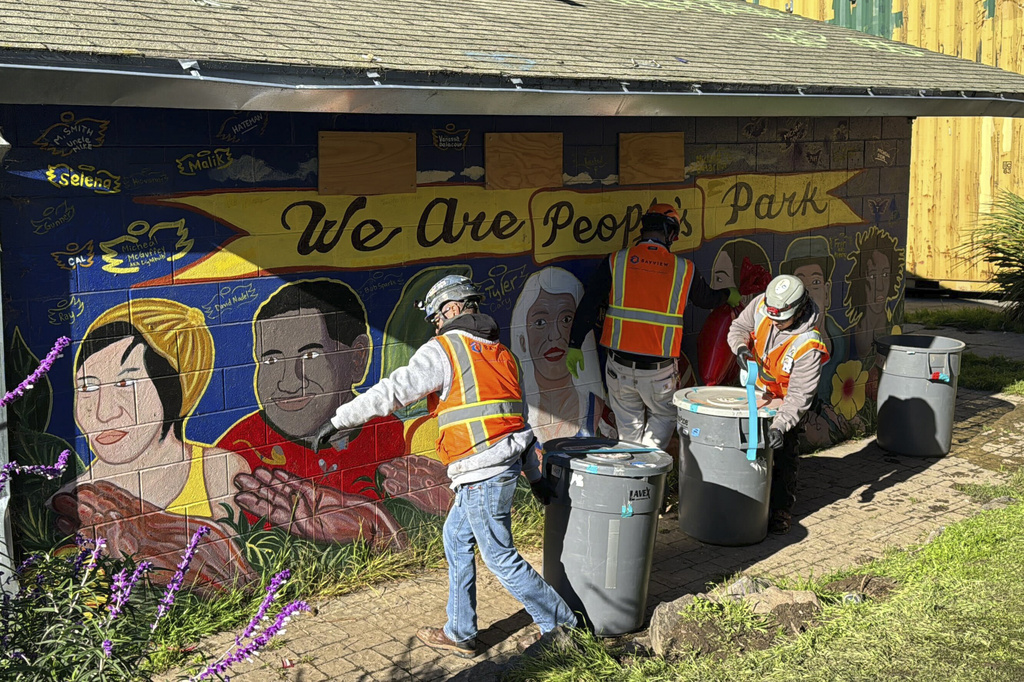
{"type": "Point", "coordinates": [777, 331]}
{"type": "Point", "coordinates": [646, 288]}
{"type": "Point", "coordinates": [473, 383]}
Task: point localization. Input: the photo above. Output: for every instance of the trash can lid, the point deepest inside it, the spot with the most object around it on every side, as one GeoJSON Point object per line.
{"type": "Point", "coordinates": [607, 457]}
{"type": "Point", "coordinates": [721, 401]}
{"type": "Point", "coordinates": [911, 343]}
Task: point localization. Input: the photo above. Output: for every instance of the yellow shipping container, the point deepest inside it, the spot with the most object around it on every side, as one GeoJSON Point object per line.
{"type": "Point", "coordinates": [958, 164]}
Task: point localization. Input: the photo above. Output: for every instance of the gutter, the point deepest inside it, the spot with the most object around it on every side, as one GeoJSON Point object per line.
{"type": "Point", "coordinates": [190, 89]}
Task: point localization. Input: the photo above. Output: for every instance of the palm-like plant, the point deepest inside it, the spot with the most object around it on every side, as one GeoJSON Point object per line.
{"type": "Point", "coordinates": [999, 241]}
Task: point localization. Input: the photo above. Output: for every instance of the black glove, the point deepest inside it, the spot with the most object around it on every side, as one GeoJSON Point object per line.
{"type": "Point", "coordinates": [542, 490]}
{"type": "Point", "coordinates": [743, 354]}
{"type": "Point", "coordinates": [774, 439]}
{"type": "Point", "coordinates": [322, 436]}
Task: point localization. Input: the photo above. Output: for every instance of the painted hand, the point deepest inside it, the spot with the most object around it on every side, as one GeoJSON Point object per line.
{"type": "Point", "coordinates": [734, 297]}
{"type": "Point", "coordinates": [316, 512]}
{"type": "Point", "coordinates": [134, 527]}
{"type": "Point", "coordinates": [421, 480]}
{"type": "Point", "coordinates": [322, 436]}
{"type": "Point", "coordinates": [774, 439]}
{"type": "Point", "coordinates": [574, 361]}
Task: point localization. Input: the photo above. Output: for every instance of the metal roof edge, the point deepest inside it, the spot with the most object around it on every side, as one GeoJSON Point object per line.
{"type": "Point", "coordinates": [191, 89]}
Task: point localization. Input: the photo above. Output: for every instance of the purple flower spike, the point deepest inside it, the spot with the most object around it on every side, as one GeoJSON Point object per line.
{"type": "Point", "coordinates": [179, 576]}
{"type": "Point", "coordinates": [243, 653]}
{"type": "Point", "coordinates": [121, 589]}
{"type": "Point", "coordinates": [94, 556]}
{"type": "Point", "coordinates": [44, 366]}
{"type": "Point", "coordinates": [261, 612]}
{"type": "Point", "coordinates": [108, 648]}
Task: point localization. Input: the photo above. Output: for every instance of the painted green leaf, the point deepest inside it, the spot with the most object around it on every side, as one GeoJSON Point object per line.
{"type": "Point", "coordinates": [32, 410]}
{"type": "Point", "coordinates": [406, 330]}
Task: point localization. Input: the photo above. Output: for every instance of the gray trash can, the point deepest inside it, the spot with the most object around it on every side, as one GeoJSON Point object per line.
{"type": "Point", "coordinates": [723, 496]}
{"type": "Point", "coordinates": [600, 527]}
{"type": "Point", "coordinates": [917, 393]}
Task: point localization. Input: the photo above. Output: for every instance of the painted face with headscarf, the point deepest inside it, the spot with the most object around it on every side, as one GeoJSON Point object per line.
{"type": "Point", "coordinates": [138, 374]}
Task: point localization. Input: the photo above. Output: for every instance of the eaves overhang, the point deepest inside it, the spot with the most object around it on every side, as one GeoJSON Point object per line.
{"type": "Point", "coordinates": [190, 85]}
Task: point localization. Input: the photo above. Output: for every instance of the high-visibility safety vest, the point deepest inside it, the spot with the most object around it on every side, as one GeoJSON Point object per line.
{"type": "Point", "coordinates": [650, 285]}
{"type": "Point", "coordinates": [777, 363]}
{"type": "Point", "coordinates": [485, 402]}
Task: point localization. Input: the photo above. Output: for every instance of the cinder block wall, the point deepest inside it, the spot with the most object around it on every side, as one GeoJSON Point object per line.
{"type": "Point", "coordinates": [220, 308]}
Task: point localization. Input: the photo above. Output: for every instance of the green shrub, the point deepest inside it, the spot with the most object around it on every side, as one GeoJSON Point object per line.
{"type": "Point", "coordinates": [999, 241]}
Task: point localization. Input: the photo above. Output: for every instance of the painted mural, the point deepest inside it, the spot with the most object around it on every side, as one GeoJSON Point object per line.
{"type": "Point", "coordinates": [221, 308]}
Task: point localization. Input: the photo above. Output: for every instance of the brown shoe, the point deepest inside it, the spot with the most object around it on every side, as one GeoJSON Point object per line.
{"type": "Point", "coordinates": [436, 639]}
{"type": "Point", "coordinates": [779, 522]}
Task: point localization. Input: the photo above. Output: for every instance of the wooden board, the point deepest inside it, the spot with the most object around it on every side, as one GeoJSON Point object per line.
{"type": "Point", "coordinates": [367, 163]}
{"type": "Point", "coordinates": [646, 158]}
{"type": "Point", "coordinates": [522, 160]}
{"type": "Point", "coordinates": [958, 165]}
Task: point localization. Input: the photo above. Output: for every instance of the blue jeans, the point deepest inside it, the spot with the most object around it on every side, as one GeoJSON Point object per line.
{"type": "Point", "coordinates": [482, 515]}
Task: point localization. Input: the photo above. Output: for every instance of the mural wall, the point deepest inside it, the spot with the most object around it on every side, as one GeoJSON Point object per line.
{"type": "Point", "coordinates": [221, 308]}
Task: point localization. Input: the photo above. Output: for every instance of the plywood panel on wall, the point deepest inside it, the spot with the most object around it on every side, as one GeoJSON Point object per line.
{"type": "Point", "coordinates": [650, 158]}
{"type": "Point", "coordinates": [959, 165]}
{"type": "Point", "coordinates": [523, 160]}
{"type": "Point", "coordinates": [367, 163]}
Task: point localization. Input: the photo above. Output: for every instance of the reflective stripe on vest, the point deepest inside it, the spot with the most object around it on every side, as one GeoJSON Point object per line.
{"type": "Point", "coordinates": [773, 362]}
{"type": "Point", "coordinates": [650, 287]}
{"type": "Point", "coordinates": [485, 402]}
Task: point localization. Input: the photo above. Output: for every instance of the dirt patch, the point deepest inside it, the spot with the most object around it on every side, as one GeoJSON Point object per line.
{"type": "Point", "coordinates": [708, 638]}
{"type": "Point", "coordinates": [795, 618]}
{"type": "Point", "coordinates": [874, 587]}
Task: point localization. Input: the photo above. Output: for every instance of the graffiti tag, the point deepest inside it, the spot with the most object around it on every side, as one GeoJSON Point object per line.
{"type": "Point", "coordinates": [70, 135]}
{"type": "Point", "coordinates": [74, 256]}
{"type": "Point", "coordinates": [190, 164]}
{"type": "Point", "coordinates": [449, 138]}
{"type": "Point", "coordinates": [140, 247]}
{"type": "Point", "coordinates": [54, 217]}
{"type": "Point", "coordinates": [229, 297]}
{"type": "Point", "coordinates": [379, 280]}
{"type": "Point", "coordinates": [67, 310]}
{"type": "Point", "coordinates": [234, 128]}
{"type": "Point", "coordinates": [86, 177]}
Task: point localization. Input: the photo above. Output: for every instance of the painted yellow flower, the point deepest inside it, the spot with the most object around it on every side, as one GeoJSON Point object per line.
{"type": "Point", "coordinates": [848, 384]}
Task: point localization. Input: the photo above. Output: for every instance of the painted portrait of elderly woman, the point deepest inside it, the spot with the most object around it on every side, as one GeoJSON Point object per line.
{"type": "Point", "coordinates": [140, 371]}
{"type": "Point", "coordinates": [559, 405]}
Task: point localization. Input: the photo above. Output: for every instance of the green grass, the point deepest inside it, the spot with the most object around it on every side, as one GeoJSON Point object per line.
{"type": "Point", "coordinates": [986, 493]}
{"type": "Point", "coordinates": [319, 573]}
{"type": "Point", "coordinates": [967, 318]}
{"type": "Point", "coordinates": [997, 374]}
{"type": "Point", "coordinates": [958, 616]}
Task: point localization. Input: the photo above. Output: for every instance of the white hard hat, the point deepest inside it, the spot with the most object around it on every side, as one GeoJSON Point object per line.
{"type": "Point", "coordinates": [784, 297]}
{"type": "Point", "coordinates": [448, 288]}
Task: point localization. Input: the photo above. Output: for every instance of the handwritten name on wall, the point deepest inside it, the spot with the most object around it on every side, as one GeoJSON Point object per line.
{"type": "Point", "coordinates": [302, 229]}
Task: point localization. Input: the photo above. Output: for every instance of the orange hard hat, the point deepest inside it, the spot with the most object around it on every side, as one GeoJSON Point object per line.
{"type": "Point", "coordinates": [666, 210]}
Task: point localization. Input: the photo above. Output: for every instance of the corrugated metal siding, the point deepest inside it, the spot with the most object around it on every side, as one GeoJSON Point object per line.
{"type": "Point", "coordinates": [957, 165]}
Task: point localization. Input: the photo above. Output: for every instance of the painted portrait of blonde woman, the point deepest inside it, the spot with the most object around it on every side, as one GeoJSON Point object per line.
{"type": "Point", "coordinates": [140, 371]}
{"type": "Point", "coordinates": [559, 405]}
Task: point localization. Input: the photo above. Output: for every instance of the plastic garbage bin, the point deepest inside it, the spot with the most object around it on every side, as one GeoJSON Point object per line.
{"type": "Point", "coordinates": [917, 393]}
{"type": "Point", "coordinates": [723, 495]}
{"type": "Point", "coordinates": [600, 526]}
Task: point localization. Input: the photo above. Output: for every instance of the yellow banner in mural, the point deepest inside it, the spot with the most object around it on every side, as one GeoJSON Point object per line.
{"type": "Point", "coordinates": [291, 230]}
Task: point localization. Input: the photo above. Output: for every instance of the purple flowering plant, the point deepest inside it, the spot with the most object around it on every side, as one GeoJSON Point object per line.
{"type": "Point", "coordinates": [76, 613]}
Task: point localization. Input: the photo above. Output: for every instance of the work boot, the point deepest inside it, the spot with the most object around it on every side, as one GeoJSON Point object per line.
{"type": "Point", "coordinates": [779, 522]}
{"type": "Point", "coordinates": [436, 639]}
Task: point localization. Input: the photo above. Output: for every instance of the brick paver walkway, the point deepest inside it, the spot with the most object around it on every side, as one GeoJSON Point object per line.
{"type": "Point", "coordinates": [855, 500]}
